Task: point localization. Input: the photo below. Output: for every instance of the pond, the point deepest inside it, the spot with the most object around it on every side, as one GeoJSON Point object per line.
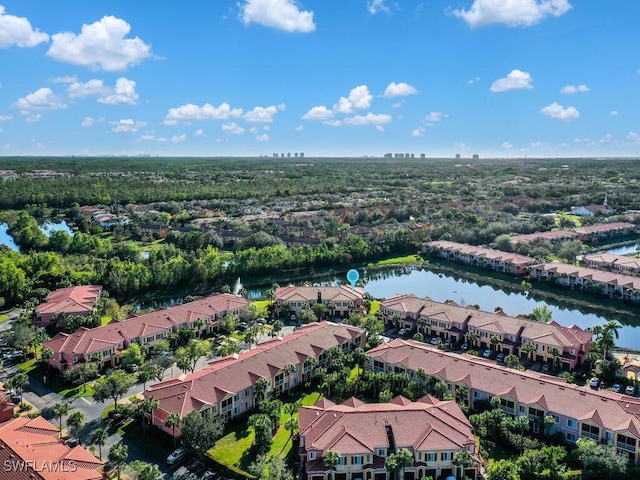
{"type": "Point", "coordinates": [440, 286]}
{"type": "Point", "coordinates": [49, 227]}
{"type": "Point", "coordinates": [6, 239]}
{"type": "Point", "coordinates": [625, 249]}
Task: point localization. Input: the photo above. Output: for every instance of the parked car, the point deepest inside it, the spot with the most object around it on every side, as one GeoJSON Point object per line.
{"type": "Point", "coordinates": [594, 382]}
{"type": "Point", "coordinates": [177, 455]}
{"type": "Point", "coordinates": [436, 341]}
{"type": "Point", "coordinates": [15, 397]}
{"type": "Point", "coordinates": [500, 357]}
{"type": "Point", "coordinates": [243, 325]}
{"type": "Point", "coordinates": [545, 367]}
{"type": "Point", "coordinates": [72, 442]}
{"type": "Point", "coordinates": [402, 331]}
{"type": "Point", "coordinates": [630, 390]}
{"type": "Point", "coordinates": [487, 353]}
{"type": "Point", "coordinates": [464, 347]}
{"type": "Point", "coordinates": [616, 387]}
{"type": "Point", "coordinates": [209, 475]}
{"type": "Point", "coordinates": [132, 368]}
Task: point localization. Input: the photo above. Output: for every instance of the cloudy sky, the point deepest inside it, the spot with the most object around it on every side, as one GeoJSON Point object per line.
{"type": "Point", "coordinates": [503, 78]}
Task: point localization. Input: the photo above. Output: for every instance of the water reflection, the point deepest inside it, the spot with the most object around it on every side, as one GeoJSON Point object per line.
{"type": "Point", "coordinates": [6, 239]}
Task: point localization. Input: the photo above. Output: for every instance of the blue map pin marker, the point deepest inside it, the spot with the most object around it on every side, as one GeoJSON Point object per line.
{"type": "Point", "coordinates": [353, 276]}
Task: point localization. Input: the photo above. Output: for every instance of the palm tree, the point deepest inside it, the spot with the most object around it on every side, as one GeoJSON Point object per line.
{"type": "Point", "coordinates": [463, 460]}
{"type": "Point", "coordinates": [391, 464]}
{"type": "Point", "coordinates": [440, 389]}
{"type": "Point", "coordinates": [173, 421]}
{"type": "Point", "coordinates": [555, 351]}
{"type": "Point", "coordinates": [118, 454]}
{"type": "Point", "coordinates": [359, 357]}
{"type": "Point", "coordinates": [98, 437]}
{"type": "Point", "coordinates": [494, 343]}
{"type": "Point", "coordinates": [45, 356]}
{"type": "Point", "coordinates": [405, 459]}
{"type": "Point", "coordinates": [591, 358]}
{"type": "Point", "coordinates": [75, 421]}
{"type": "Point", "coordinates": [59, 410]}
{"type": "Point", "coordinates": [472, 338]}
{"type": "Point", "coordinates": [528, 348]}
{"type": "Point", "coordinates": [260, 389]}
{"type": "Point", "coordinates": [146, 407]}
{"type": "Point", "coordinates": [292, 425]}
{"type": "Point", "coordinates": [331, 459]}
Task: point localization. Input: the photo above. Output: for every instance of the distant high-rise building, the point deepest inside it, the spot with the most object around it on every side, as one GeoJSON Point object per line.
{"type": "Point", "coordinates": [475, 157]}
{"type": "Point", "coordinates": [301, 154]}
{"type": "Point", "coordinates": [399, 155]}
{"type": "Point", "coordinates": [406, 155]}
{"type": "Point", "coordinates": [412, 155]}
{"type": "Point", "coordinates": [422, 155]}
{"type": "Point", "coordinates": [275, 155]}
{"type": "Point", "coordinates": [295, 154]}
{"type": "Point", "coordinates": [288, 155]}
{"type": "Point", "coordinates": [282, 155]}
{"type": "Point", "coordinates": [457, 156]}
{"type": "Point", "coordinates": [388, 155]}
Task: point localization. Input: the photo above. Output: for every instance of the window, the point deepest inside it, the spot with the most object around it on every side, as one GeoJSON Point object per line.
{"type": "Point", "coordinates": [521, 408]}
{"type": "Point", "coordinates": [75, 359]}
{"type": "Point", "coordinates": [247, 392]}
{"type": "Point", "coordinates": [571, 437]}
{"type": "Point", "coordinates": [571, 423]}
{"type": "Point", "coordinates": [357, 460]}
{"type": "Point", "coordinates": [476, 394]}
{"type": "Point", "coordinates": [342, 461]}
{"type": "Point", "coordinates": [431, 457]}
{"type": "Point", "coordinates": [556, 418]}
{"type": "Point", "coordinates": [106, 353]}
{"type": "Point", "coordinates": [445, 456]}
{"type": "Point", "coordinates": [312, 455]}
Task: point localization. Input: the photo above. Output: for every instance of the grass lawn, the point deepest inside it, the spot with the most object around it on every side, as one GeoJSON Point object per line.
{"type": "Point", "coordinates": [55, 383]}
{"type": "Point", "coordinates": [375, 306]}
{"type": "Point", "coordinates": [105, 320]}
{"type": "Point", "coordinates": [3, 317]}
{"type": "Point", "coordinates": [261, 307]}
{"type": "Point", "coordinates": [396, 260]}
{"type": "Point", "coordinates": [235, 447]}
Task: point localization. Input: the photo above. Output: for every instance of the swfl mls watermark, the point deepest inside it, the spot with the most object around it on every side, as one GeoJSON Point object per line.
{"type": "Point", "coordinates": [41, 466]}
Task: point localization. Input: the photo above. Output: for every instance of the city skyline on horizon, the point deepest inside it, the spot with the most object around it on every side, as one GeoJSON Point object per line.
{"type": "Point", "coordinates": [501, 79]}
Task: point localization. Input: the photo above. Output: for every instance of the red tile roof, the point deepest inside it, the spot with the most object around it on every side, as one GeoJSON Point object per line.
{"type": "Point", "coordinates": [235, 373]}
{"type": "Point", "coordinates": [32, 444]}
{"type": "Point", "coordinates": [342, 293]}
{"type": "Point", "coordinates": [354, 427]}
{"type": "Point", "coordinates": [72, 300]}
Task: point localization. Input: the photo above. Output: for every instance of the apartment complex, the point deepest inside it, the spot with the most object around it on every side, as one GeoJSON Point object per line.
{"type": "Point", "coordinates": [106, 343]}
{"type": "Point", "coordinates": [81, 300]}
{"type": "Point", "coordinates": [614, 285]}
{"type": "Point", "coordinates": [479, 256]}
{"type": "Point", "coordinates": [614, 263]}
{"type": "Point", "coordinates": [363, 435]}
{"type": "Point", "coordinates": [225, 386]}
{"type": "Point", "coordinates": [489, 330]}
{"type": "Point", "coordinates": [30, 449]}
{"type": "Point", "coordinates": [600, 415]}
{"type": "Point", "coordinates": [339, 300]}
{"type": "Point", "coordinates": [584, 234]}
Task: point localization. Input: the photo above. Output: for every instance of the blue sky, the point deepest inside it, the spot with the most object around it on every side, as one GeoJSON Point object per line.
{"type": "Point", "coordinates": [500, 78]}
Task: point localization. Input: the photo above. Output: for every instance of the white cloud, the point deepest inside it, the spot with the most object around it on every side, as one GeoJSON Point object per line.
{"type": "Point", "coordinates": [1, 130]}
{"type": "Point", "coordinates": [418, 132]}
{"type": "Point", "coordinates": [199, 133]}
{"type": "Point", "coordinates": [282, 107]}
{"type": "Point", "coordinates": [280, 14]}
{"type": "Point", "coordinates": [190, 112]}
{"type": "Point", "coordinates": [368, 119]}
{"type": "Point", "coordinates": [507, 145]}
{"type": "Point", "coordinates": [318, 113]}
{"type": "Point", "coordinates": [613, 113]}
{"type": "Point", "coordinates": [127, 125]}
{"type": "Point", "coordinates": [380, 128]}
{"type": "Point", "coordinates": [124, 93]}
{"type": "Point", "coordinates": [89, 121]}
{"type": "Point", "coordinates": [253, 130]}
{"type": "Point", "coordinates": [261, 114]}
{"type": "Point", "coordinates": [516, 80]}
{"type": "Point", "coordinates": [511, 12]}
{"type": "Point", "coordinates": [435, 116]}
{"type": "Point", "coordinates": [359, 99]}
{"type": "Point", "coordinates": [87, 89]}
{"type": "Point", "coordinates": [559, 112]}
{"type": "Point", "coordinates": [634, 138]}
{"type": "Point", "coordinates": [18, 31]}
{"type": "Point", "coordinates": [473, 80]}
{"type": "Point", "coordinates": [263, 138]}
{"type": "Point", "coordinates": [179, 138]}
{"type": "Point", "coordinates": [232, 128]}
{"type": "Point", "coordinates": [375, 6]}
{"type": "Point", "coordinates": [101, 45]}
{"type": "Point", "coordinates": [299, 128]}
{"type": "Point", "coordinates": [461, 146]}
{"type": "Point", "coordinates": [571, 89]}
{"type": "Point", "coordinates": [399, 90]}
{"type": "Point", "coordinates": [5, 118]}
{"type": "Point", "coordinates": [151, 138]}
{"type": "Point", "coordinates": [36, 117]}
{"type": "Point", "coordinates": [41, 99]}
{"type": "Point", "coordinates": [65, 79]}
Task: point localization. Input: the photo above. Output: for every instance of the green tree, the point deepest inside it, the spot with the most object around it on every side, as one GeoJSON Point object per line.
{"type": "Point", "coordinates": [569, 250]}
{"type": "Point", "coordinates": [228, 324]}
{"type": "Point", "coordinates": [331, 459]}
{"type": "Point", "coordinates": [59, 410]}
{"type": "Point", "coordinates": [542, 314]}
{"type": "Point", "coordinates": [440, 389]}
{"type": "Point", "coordinates": [118, 455]}
{"type": "Point", "coordinates": [18, 382]}
{"type": "Point", "coordinates": [98, 437]}
{"type": "Point", "coordinates": [132, 356]}
{"type": "Point", "coordinates": [292, 425]}
{"type": "Point", "coordinates": [512, 361]}
{"type": "Point", "coordinates": [140, 470]}
{"type": "Point", "coordinates": [404, 459]}
{"type": "Point", "coordinates": [172, 421]}
{"type": "Point", "coordinates": [528, 350]}
{"type": "Point", "coordinates": [187, 357]}
{"type": "Point", "coordinates": [200, 432]}
{"type": "Point", "coordinates": [463, 460]}
{"type": "Point", "coordinates": [260, 389]}
{"type": "Point", "coordinates": [503, 470]}
{"type": "Point", "coordinates": [113, 386]}
{"type": "Point", "coordinates": [600, 461]}
{"type": "Point", "coordinates": [392, 464]}
{"type": "Point", "coordinates": [75, 421]}
{"type": "Point", "coordinates": [147, 372]}
{"type": "Point", "coordinates": [80, 374]}
{"type": "Point", "coordinates": [263, 434]}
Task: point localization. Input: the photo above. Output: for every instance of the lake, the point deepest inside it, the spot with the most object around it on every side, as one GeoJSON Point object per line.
{"type": "Point", "coordinates": [441, 286]}
{"type": "Point", "coordinates": [6, 239]}
{"type": "Point", "coordinates": [625, 249]}
{"type": "Point", "coordinates": [49, 227]}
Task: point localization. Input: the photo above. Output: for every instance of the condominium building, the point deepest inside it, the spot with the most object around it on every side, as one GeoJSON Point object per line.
{"type": "Point", "coordinates": [339, 300]}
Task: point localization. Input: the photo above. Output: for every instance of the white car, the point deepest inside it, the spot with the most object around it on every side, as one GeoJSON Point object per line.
{"type": "Point", "coordinates": [402, 331]}
{"type": "Point", "coordinates": [436, 341]}
{"type": "Point", "coordinates": [594, 382]}
{"type": "Point", "coordinates": [487, 353]}
{"type": "Point", "coordinates": [177, 455]}
{"type": "Point", "coordinates": [630, 390]}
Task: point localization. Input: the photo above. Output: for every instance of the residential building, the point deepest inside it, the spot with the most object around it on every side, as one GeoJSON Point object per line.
{"type": "Point", "coordinates": [81, 300]}
{"type": "Point", "coordinates": [614, 285]}
{"type": "Point", "coordinates": [365, 434]}
{"type": "Point", "coordinates": [339, 300]}
{"type": "Point", "coordinates": [584, 234]}
{"type": "Point", "coordinates": [226, 385]}
{"type": "Point", "coordinates": [591, 210]}
{"type": "Point", "coordinates": [488, 330]}
{"type": "Point", "coordinates": [7, 407]}
{"type": "Point", "coordinates": [578, 411]}
{"type": "Point", "coordinates": [7, 175]}
{"type": "Point", "coordinates": [615, 263]}
{"type": "Point", "coordinates": [497, 260]}
{"type": "Point", "coordinates": [106, 343]}
{"type": "Point", "coordinates": [30, 449]}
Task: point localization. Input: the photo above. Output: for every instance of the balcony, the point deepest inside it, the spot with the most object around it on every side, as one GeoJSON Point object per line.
{"type": "Point", "coordinates": [626, 447]}
{"type": "Point", "coordinates": [590, 435]}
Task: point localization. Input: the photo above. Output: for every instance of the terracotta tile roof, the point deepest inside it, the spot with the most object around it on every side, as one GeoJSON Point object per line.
{"type": "Point", "coordinates": [73, 300]}
{"type": "Point", "coordinates": [612, 410]}
{"type": "Point", "coordinates": [87, 341]}
{"type": "Point", "coordinates": [330, 293]}
{"type": "Point", "coordinates": [488, 253]}
{"type": "Point", "coordinates": [238, 372]}
{"type": "Point", "coordinates": [612, 260]}
{"type": "Point", "coordinates": [601, 276]}
{"type": "Point", "coordinates": [361, 428]}
{"type": "Point", "coordinates": [35, 442]}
